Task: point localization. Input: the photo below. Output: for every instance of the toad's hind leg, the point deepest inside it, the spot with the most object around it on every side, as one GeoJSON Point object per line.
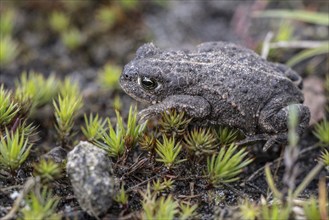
{"type": "Point", "coordinates": [276, 123]}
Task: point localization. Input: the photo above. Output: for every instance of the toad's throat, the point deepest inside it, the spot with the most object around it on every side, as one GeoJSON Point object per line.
{"type": "Point", "coordinates": [139, 99]}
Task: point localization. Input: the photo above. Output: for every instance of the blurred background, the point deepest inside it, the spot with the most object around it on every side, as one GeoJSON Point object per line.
{"type": "Point", "coordinates": [92, 40]}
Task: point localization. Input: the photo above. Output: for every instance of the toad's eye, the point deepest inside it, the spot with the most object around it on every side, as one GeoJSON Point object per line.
{"type": "Point", "coordinates": [147, 83]}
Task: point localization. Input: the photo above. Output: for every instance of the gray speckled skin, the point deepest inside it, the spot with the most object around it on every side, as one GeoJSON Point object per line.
{"type": "Point", "coordinates": [219, 83]}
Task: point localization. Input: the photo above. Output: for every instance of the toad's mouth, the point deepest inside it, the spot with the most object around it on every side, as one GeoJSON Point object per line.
{"type": "Point", "coordinates": [132, 94]}
{"type": "Point", "coordinates": [153, 102]}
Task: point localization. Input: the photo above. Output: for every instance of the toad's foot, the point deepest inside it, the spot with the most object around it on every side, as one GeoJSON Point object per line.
{"type": "Point", "coordinates": [270, 140]}
{"type": "Point", "coordinates": [194, 106]}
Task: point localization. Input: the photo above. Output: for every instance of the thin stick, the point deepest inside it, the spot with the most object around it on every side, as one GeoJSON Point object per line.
{"type": "Point", "coordinates": [257, 172]}
{"type": "Point", "coordinates": [307, 179]}
{"type": "Point", "coordinates": [236, 191]}
{"type": "Point", "coordinates": [26, 188]}
{"type": "Point", "coordinates": [297, 44]}
{"type": "Point", "coordinates": [145, 181]}
{"type": "Point", "coordinates": [266, 44]}
{"type": "Point", "coordinates": [11, 187]}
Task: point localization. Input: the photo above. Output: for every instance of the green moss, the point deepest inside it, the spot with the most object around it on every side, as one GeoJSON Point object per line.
{"type": "Point", "coordinates": [275, 211]}
{"type": "Point", "coordinates": [188, 211]}
{"type": "Point", "coordinates": [248, 210]}
{"type": "Point", "coordinates": [321, 131]}
{"type": "Point", "coordinates": [226, 135]}
{"type": "Point", "coordinates": [121, 197]}
{"type": "Point", "coordinates": [72, 38]}
{"type": "Point", "coordinates": [226, 165]}
{"type": "Point", "coordinates": [33, 91]}
{"type": "Point", "coordinates": [324, 158]}
{"type": "Point", "coordinates": [173, 123]}
{"type": "Point", "coordinates": [311, 209]}
{"type": "Point", "coordinates": [8, 50]}
{"type": "Point", "coordinates": [8, 108]}
{"type": "Point", "coordinates": [200, 141]}
{"type": "Point", "coordinates": [159, 186]}
{"type": "Point", "coordinates": [94, 126]}
{"type": "Point", "coordinates": [117, 103]}
{"type": "Point", "coordinates": [59, 21]}
{"type": "Point", "coordinates": [147, 142]}
{"type": "Point", "coordinates": [70, 88]}
{"type": "Point", "coordinates": [7, 21]}
{"type": "Point", "coordinates": [112, 140]}
{"type": "Point", "coordinates": [108, 77]}
{"type": "Point", "coordinates": [66, 110]}
{"type": "Point", "coordinates": [162, 208]}
{"type": "Point", "coordinates": [41, 205]}
{"type": "Point", "coordinates": [108, 16]}
{"type": "Point", "coordinates": [47, 170]}
{"type": "Point", "coordinates": [134, 130]}
{"type": "Point", "coordinates": [168, 151]}
{"type": "Point", "coordinates": [14, 150]}
{"type": "Point", "coordinates": [129, 4]}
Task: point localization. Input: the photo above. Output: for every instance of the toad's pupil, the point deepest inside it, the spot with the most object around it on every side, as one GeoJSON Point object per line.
{"type": "Point", "coordinates": [148, 83]}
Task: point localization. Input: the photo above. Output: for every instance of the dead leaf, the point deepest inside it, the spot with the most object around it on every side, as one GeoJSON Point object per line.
{"type": "Point", "coordinates": [315, 99]}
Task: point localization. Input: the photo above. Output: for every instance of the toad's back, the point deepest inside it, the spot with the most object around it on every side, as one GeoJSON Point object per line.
{"type": "Point", "coordinates": [236, 81]}
{"type": "Point", "coordinates": [228, 68]}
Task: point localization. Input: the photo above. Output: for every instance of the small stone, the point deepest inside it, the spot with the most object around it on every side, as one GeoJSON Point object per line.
{"type": "Point", "coordinates": [57, 154]}
{"type": "Point", "coordinates": [94, 184]}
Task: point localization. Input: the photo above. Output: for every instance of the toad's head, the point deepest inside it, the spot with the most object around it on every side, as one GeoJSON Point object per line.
{"type": "Point", "coordinates": [149, 77]}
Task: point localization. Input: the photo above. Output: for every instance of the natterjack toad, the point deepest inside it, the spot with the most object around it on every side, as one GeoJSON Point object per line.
{"type": "Point", "coordinates": [218, 83]}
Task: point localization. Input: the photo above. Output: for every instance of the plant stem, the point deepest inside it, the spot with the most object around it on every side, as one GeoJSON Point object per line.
{"type": "Point", "coordinates": [271, 183]}
{"type": "Point", "coordinates": [308, 179]}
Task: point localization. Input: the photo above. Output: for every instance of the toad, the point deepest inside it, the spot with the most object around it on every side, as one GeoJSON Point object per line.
{"type": "Point", "coordinates": [218, 83]}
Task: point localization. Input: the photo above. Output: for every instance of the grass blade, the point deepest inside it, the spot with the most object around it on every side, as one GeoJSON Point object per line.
{"type": "Point", "coordinates": [305, 54]}
{"type": "Point", "coordinates": [300, 15]}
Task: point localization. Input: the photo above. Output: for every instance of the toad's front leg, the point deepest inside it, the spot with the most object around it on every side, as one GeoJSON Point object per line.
{"type": "Point", "coordinates": [194, 106]}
